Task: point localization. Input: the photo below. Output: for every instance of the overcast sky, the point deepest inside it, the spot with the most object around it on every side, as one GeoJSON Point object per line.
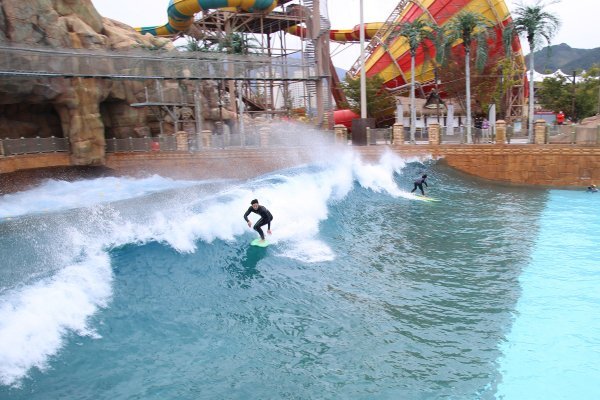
{"type": "Point", "coordinates": [580, 19]}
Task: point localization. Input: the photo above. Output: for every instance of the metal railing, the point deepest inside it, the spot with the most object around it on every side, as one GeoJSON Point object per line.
{"type": "Point", "coordinates": [197, 142]}
{"type": "Point", "coordinates": [255, 137]}
{"type": "Point", "coordinates": [516, 135]}
{"type": "Point", "coordinates": [11, 147]}
{"type": "Point", "coordinates": [380, 136]}
{"type": "Point", "coordinates": [53, 62]}
{"type": "Point", "coordinates": [573, 134]}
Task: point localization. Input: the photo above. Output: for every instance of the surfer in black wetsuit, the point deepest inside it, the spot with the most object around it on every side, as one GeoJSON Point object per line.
{"type": "Point", "coordinates": [265, 218]}
{"type": "Point", "coordinates": [419, 184]}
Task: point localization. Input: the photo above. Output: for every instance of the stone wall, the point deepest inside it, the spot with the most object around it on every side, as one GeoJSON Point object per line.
{"type": "Point", "coordinates": [547, 165]}
{"type": "Point", "coordinates": [33, 161]}
{"type": "Point", "coordinates": [225, 164]}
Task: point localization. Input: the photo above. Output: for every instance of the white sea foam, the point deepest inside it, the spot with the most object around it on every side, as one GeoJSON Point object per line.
{"type": "Point", "coordinates": [57, 195]}
{"type": "Point", "coordinates": [36, 317]}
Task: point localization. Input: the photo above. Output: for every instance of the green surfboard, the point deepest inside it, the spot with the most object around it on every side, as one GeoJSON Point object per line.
{"type": "Point", "coordinates": [425, 198]}
{"type": "Point", "coordinates": [257, 242]}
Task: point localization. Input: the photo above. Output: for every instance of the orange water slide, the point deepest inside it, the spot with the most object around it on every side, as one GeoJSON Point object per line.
{"type": "Point", "coordinates": [342, 35]}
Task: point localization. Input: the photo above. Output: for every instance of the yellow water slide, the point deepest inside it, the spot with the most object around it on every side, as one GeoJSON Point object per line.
{"type": "Point", "coordinates": [342, 35]}
{"type": "Point", "coordinates": [181, 13]}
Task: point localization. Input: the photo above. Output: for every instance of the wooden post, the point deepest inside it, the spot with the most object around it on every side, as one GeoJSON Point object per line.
{"type": "Point", "coordinates": [500, 131]}
{"type": "Point", "coordinates": [398, 133]}
{"type": "Point", "coordinates": [181, 139]}
{"type": "Point", "coordinates": [540, 132]}
{"type": "Point", "coordinates": [434, 134]}
{"type": "Point", "coordinates": [264, 133]}
{"type": "Point", "coordinates": [340, 134]}
{"type": "Point", "coordinates": [198, 108]}
{"type": "Point", "coordinates": [206, 138]}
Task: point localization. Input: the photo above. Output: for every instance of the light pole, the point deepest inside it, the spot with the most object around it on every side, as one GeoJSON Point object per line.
{"type": "Point", "coordinates": [599, 95]}
{"type": "Point", "coordinates": [220, 130]}
{"type": "Point", "coordinates": [573, 98]}
{"type": "Point", "coordinates": [363, 73]}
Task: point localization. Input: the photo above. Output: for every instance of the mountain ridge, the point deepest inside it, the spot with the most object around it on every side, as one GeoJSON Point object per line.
{"type": "Point", "coordinates": [564, 57]}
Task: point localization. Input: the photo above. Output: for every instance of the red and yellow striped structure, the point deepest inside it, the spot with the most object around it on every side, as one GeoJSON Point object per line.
{"type": "Point", "coordinates": [392, 62]}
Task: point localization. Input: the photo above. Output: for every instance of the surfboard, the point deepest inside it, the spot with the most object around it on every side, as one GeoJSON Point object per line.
{"type": "Point", "coordinates": [426, 198]}
{"type": "Point", "coordinates": [257, 242]}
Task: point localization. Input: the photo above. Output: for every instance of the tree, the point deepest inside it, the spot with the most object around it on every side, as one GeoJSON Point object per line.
{"type": "Point", "coordinates": [473, 29]}
{"type": "Point", "coordinates": [192, 44]}
{"type": "Point", "coordinates": [587, 97]}
{"type": "Point", "coordinates": [415, 33]}
{"type": "Point", "coordinates": [537, 25]}
{"type": "Point", "coordinates": [556, 94]}
{"type": "Point", "coordinates": [379, 101]}
{"type": "Point", "coordinates": [237, 43]}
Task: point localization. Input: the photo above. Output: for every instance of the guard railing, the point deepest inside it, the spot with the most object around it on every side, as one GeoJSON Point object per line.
{"type": "Point", "coordinates": [11, 147]}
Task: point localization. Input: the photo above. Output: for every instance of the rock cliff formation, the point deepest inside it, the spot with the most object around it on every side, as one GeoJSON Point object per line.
{"type": "Point", "coordinates": [85, 110]}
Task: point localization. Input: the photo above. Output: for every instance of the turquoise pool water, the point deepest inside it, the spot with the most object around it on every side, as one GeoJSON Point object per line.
{"type": "Point", "coordinates": [119, 288]}
{"type": "Point", "coordinates": [553, 349]}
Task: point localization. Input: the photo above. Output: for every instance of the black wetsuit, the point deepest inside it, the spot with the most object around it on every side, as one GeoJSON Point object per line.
{"type": "Point", "coordinates": [419, 184]}
{"type": "Point", "coordinates": [265, 218]}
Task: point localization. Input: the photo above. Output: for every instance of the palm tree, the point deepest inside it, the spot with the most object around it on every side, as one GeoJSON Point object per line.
{"type": "Point", "coordinates": [470, 27]}
{"type": "Point", "coordinates": [379, 100]}
{"type": "Point", "coordinates": [192, 45]}
{"type": "Point", "coordinates": [537, 25]}
{"type": "Point", "coordinates": [237, 43]}
{"type": "Point", "coordinates": [415, 33]}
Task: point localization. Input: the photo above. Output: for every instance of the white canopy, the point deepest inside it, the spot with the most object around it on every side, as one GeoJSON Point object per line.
{"type": "Point", "coordinates": [537, 77]}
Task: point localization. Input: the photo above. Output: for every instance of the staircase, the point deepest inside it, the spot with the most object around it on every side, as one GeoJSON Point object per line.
{"type": "Point", "coordinates": [310, 58]}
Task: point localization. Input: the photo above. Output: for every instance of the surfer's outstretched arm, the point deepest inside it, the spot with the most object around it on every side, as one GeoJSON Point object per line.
{"type": "Point", "coordinates": [246, 216]}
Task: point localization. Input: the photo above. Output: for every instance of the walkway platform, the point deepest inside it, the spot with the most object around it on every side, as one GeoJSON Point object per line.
{"type": "Point", "coordinates": [141, 65]}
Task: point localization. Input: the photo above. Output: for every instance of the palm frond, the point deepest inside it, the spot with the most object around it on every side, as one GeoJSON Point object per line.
{"type": "Point", "coordinates": [471, 27]}
{"type": "Point", "coordinates": [536, 24]}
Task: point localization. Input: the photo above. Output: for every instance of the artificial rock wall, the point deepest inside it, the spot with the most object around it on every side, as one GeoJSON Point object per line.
{"type": "Point", "coordinates": [85, 110]}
